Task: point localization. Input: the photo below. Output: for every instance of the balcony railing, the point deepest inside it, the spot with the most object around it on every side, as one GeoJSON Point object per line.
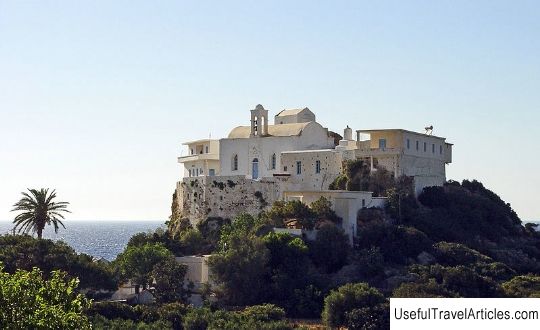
{"type": "Point", "coordinates": [189, 158]}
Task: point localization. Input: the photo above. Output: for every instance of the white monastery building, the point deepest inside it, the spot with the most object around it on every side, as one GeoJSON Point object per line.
{"type": "Point", "coordinates": [298, 158]}
{"type": "Point", "coordinates": [255, 151]}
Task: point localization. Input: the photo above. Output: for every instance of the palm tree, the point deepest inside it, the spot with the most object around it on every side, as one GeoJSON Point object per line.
{"type": "Point", "coordinates": [38, 209]}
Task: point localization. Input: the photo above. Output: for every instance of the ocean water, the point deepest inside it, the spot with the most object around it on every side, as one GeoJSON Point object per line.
{"type": "Point", "coordinates": [101, 239]}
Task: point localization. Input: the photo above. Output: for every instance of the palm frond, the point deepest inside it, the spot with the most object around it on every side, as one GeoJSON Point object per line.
{"type": "Point", "coordinates": [37, 210]}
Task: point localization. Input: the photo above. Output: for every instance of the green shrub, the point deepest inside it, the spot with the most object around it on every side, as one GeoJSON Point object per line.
{"type": "Point", "coordinates": [526, 286]}
{"type": "Point", "coordinates": [197, 319]}
{"type": "Point", "coordinates": [496, 270]}
{"type": "Point", "coordinates": [113, 310]}
{"type": "Point", "coordinates": [173, 313]}
{"type": "Point", "coordinates": [369, 318]}
{"type": "Point", "coordinates": [397, 243]}
{"type": "Point", "coordinates": [146, 313]}
{"type": "Point", "coordinates": [99, 322]}
{"type": "Point", "coordinates": [308, 302]}
{"type": "Point", "coordinates": [453, 254]}
{"type": "Point", "coordinates": [347, 298]}
{"type": "Point", "coordinates": [370, 262]}
{"type": "Point", "coordinates": [429, 289]}
{"type": "Point", "coordinates": [28, 301]}
{"type": "Point", "coordinates": [266, 312]}
{"type": "Point", "coordinates": [459, 281]}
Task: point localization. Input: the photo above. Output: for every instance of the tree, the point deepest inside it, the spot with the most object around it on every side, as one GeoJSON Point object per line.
{"type": "Point", "coordinates": [240, 266]}
{"type": "Point", "coordinates": [169, 281]}
{"type": "Point", "coordinates": [39, 209]}
{"type": "Point", "coordinates": [244, 225]}
{"type": "Point", "coordinates": [346, 299]}
{"type": "Point", "coordinates": [322, 208]}
{"type": "Point", "coordinates": [240, 270]}
{"type": "Point", "coordinates": [136, 263]}
{"type": "Point", "coordinates": [26, 252]}
{"type": "Point", "coordinates": [28, 301]}
{"type": "Point", "coordinates": [289, 269]}
{"type": "Point", "coordinates": [330, 249]}
{"type": "Point", "coordinates": [282, 211]}
{"type": "Point", "coordinates": [401, 200]}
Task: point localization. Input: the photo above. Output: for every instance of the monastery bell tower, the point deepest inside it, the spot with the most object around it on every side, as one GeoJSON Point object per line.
{"type": "Point", "coordinates": [259, 121]}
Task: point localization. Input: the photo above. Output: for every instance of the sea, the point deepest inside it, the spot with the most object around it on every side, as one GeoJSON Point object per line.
{"type": "Point", "coordinates": [100, 239]}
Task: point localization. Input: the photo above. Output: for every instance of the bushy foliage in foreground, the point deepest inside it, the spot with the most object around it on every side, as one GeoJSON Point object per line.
{"type": "Point", "coordinates": [264, 317]}
{"type": "Point", "coordinates": [177, 316]}
{"type": "Point", "coordinates": [28, 301]}
{"type": "Point", "coordinates": [345, 300]}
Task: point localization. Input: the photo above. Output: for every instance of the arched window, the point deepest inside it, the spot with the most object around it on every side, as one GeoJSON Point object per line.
{"type": "Point", "coordinates": [255, 169]}
{"type": "Point", "coordinates": [273, 162]}
{"type": "Point", "coordinates": [235, 163]}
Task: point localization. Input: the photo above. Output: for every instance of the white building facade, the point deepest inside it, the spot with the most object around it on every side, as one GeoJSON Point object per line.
{"type": "Point", "coordinates": [202, 158]}
{"type": "Point", "coordinates": [421, 156]}
{"type": "Point", "coordinates": [255, 151]}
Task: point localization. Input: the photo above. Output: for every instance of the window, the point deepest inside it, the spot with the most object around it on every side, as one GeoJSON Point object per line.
{"type": "Point", "coordinates": [255, 168]}
{"type": "Point", "coordinates": [189, 172]}
{"type": "Point", "coordinates": [235, 163]}
{"type": "Point", "coordinates": [192, 151]}
{"type": "Point", "coordinates": [206, 149]}
{"type": "Point", "coordinates": [440, 150]}
{"type": "Point", "coordinates": [197, 172]}
{"type": "Point", "coordinates": [298, 167]}
{"type": "Point", "coordinates": [417, 145]}
{"type": "Point", "coordinates": [408, 144]}
{"type": "Point", "coordinates": [318, 166]}
{"type": "Point", "coordinates": [273, 162]}
{"type": "Point", "coordinates": [425, 146]}
{"type": "Point", "coordinates": [433, 148]}
{"type": "Point", "coordinates": [284, 168]}
{"type": "Point", "coordinates": [211, 172]}
{"type": "Point", "coordinates": [382, 143]}
{"type": "Point", "coordinates": [363, 203]}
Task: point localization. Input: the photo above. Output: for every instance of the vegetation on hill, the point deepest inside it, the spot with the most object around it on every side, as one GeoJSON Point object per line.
{"type": "Point", "coordinates": [23, 252]}
{"type": "Point", "coordinates": [459, 240]}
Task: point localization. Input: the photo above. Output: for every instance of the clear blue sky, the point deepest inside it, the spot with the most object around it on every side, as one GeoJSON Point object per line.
{"type": "Point", "coordinates": [97, 96]}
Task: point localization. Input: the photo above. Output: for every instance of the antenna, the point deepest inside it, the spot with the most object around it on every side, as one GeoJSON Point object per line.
{"type": "Point", "coordinates": [429, 130]}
